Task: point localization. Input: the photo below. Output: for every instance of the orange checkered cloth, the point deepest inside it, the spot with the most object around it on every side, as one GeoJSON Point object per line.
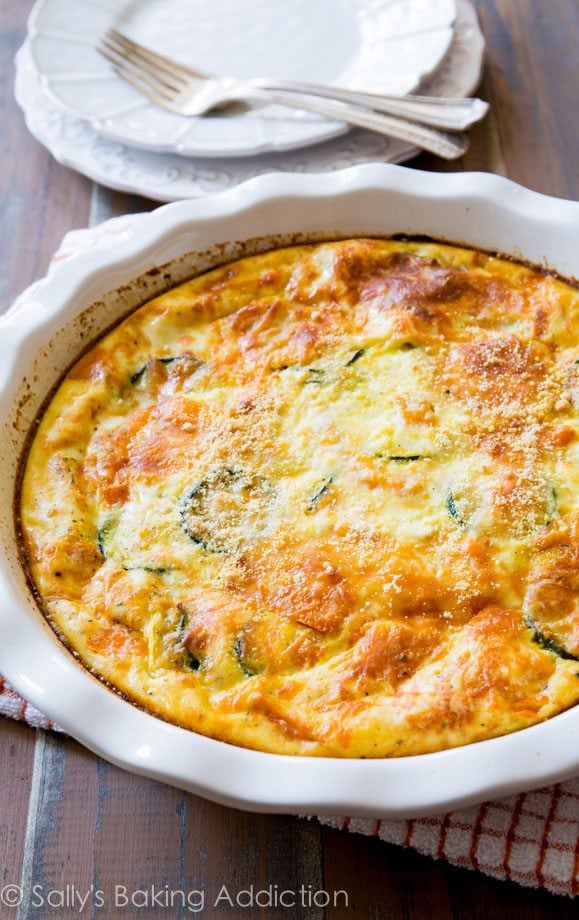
{"type": "Point", "coordinates": [532, 838]}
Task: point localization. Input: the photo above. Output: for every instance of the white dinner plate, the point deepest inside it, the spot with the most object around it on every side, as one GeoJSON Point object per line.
{"type": "Point", "coordinates": [381, 45]}
{"type": "Point", "coordinates": [167, 177]}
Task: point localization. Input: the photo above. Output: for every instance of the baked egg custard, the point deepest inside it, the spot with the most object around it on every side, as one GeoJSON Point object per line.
{"type": "Point", "coordinates": [323, 500]}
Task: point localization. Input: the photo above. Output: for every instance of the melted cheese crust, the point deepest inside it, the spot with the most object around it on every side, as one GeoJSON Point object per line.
{"type": "Point", "coordinates": [323, 500]}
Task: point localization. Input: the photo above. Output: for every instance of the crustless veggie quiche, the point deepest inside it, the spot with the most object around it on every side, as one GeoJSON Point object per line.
{"type": "Point", "coordinates": [323, 500]}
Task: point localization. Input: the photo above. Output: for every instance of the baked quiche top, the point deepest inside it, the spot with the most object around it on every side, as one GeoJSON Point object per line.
{"type": "Point", "coordinates": [323, 500]}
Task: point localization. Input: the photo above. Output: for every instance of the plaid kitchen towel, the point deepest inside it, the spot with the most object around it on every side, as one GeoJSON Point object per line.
{"type": "Point", "coordinates": [531, 838]}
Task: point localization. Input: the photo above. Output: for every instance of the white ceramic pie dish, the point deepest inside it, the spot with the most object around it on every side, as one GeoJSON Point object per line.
{"type": "Point", "coordinates": [83, 297]}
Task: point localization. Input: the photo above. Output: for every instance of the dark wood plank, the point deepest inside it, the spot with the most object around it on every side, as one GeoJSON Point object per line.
{"type": "Point", "coordinates": [137, 843]}
{"type": "Point", "coordinates": [39, 200]}
{"type": "Point", "coordinates": [106, 204]}
{"type": "Point", "coordinates": [533, 58]}
{"type": "Point", "coordinates": [61, 824]}
{"type": "Point", "coordinates": [16, 761]}
{"type": "Point", "coordinates": [530, 79]}
{"type": "Point", "coordinates": [382, 880]}
{"type": "Point", "coordinates": [476, 897]}
{"type": "Point", "coordinates": [228, 851]}
{"type": "Point", "coordinates": [485, 153]}
{"type": "Point", "coordinates": [152, 840]}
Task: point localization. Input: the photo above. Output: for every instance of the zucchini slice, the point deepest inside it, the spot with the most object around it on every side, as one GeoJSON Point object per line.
{"type": "Point", "coordinates": [534, 519]}
{"type": "Point", "coordinates": [225, 509]}
{"type": "Point", "coordinates": [106, 536]}
{"type": "Point", "coordinates": [315, 375]}
{"type": "Point", "coordinates": [138, 375]}
{"type": "Point", "coordinates": [552, 503]}
{"type": "Point", "coordinates": [551, 607]}
{"type": "Point", "coordinates": [320, 491]}
{"type": "Point", "coordinates": [544, 642]}
{"type": "Point", "coordinates": [152, 569]}
{"type": "Point", "coordinates": [188, 362]}
{"type": "Point", "coordinates": [399, 458]}
{"type": "Point", "coordinates": [355, 357]}
{"type": "Point", "coordinates": [192, 661]}
{"type": "Point", "coordinates": [453, 510]}
{"type": "Point", "coordinates": [244, 658]}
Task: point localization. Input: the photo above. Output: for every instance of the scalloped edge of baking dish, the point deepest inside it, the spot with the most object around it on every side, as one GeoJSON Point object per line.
{"type": "Point", "coordinates": [94, 289]}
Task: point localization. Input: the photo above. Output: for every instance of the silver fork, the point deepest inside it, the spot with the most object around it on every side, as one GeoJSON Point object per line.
{"type": "Point", "coordinates": [189, 92]}
{"type": "Point", "coordinates": [440, 112]}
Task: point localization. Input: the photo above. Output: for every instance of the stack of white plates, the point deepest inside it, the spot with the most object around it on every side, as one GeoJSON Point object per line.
{"type": "Point", "coordinates": [95, 123]}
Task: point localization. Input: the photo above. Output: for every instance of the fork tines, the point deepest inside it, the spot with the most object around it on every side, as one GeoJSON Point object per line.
{"type": "Point", "coordinates": [152, 74]}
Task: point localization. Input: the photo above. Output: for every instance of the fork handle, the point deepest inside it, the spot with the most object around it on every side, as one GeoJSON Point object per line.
{"type": "Point", "coordinates": [453, 114]}
{"type": "Point", "coordinates": [448, 146]}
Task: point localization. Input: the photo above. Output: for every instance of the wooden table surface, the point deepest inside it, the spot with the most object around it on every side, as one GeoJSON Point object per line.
{"type": "Point", "coordinates": [68, 817]}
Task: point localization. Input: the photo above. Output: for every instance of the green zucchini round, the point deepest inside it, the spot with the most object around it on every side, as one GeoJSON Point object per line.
{"type": "Point", "coordinates": [551, 609]}
{"type": "Point", "coordinates": [219, 512]}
